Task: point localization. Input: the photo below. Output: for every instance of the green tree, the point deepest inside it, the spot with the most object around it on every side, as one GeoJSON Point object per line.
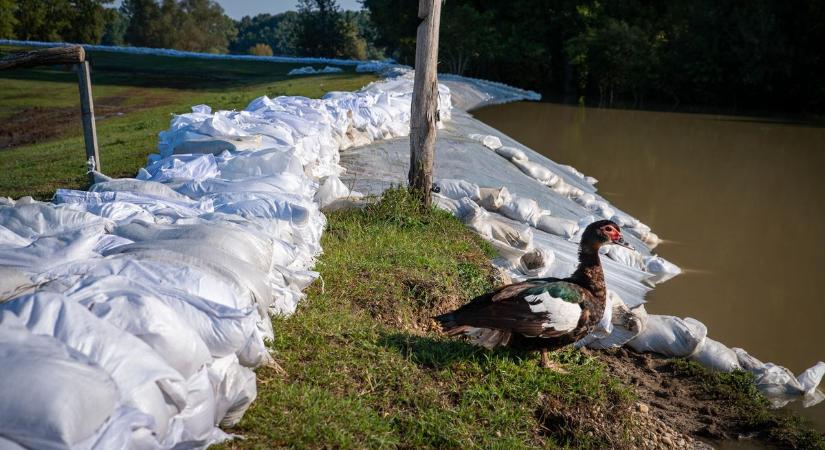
{"type": "Point", "coordinates": [193, 25]}
{"type": "Point", "coordinates": [86, 21]}
{"type": "Point", "coordinates": [114, 30]}
{"type": "Point", "coordinates": [260, 50]}
{"type": "Point", "coordinates": [395, 23]}
{"type": "Point", "coordinates": [143, 18]}
{"type": "Point", "coordinates": [319, 28]}
{"type": "Point", "coordinates": [7, 19]}
{"type": "Point", "coordinates": [279, 31]}
{"type": "Point", "coordinates": [465, 36]}
{"type": "Point", "coordinates": [203, 27]}
{"type": "Point", "coordinates": [42, 21]}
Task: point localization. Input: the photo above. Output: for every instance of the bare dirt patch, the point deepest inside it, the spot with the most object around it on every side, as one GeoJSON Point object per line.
{"type": "Point", "coordinates": [40, 123]}
{"type": "Point", "coordinates": [677, 398]}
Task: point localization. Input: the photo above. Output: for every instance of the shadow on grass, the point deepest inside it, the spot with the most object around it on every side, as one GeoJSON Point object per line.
{"type": "Point", "coordinates": [441, 353]}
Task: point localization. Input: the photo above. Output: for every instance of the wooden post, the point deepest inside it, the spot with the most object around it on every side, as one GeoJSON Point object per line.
{"type": "Point", "coordinates": [87, 110]}
{"type": "Point", "coordinates": [424, 113]}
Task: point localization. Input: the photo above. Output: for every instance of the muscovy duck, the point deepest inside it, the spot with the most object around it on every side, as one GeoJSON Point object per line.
{"type": "Point", "coordinates": [542, 314]}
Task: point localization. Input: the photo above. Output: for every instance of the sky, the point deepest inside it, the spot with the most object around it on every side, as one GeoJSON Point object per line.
{"type": "Point", "coordinates": [239, 8]}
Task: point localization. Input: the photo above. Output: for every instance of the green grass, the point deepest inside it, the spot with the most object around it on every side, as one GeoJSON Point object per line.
{"type": "Point", "coordinates": [147, 90]}
{"type": "Point", "coordinates": [364, 367]}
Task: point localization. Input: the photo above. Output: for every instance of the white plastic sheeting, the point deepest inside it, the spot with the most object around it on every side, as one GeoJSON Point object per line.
{"type": "Point", "coordinates": [185, 54]}
{"type": "Point", "coordinates": [532, 210]}
{"type": "Point", "coordinates": [309, 70]}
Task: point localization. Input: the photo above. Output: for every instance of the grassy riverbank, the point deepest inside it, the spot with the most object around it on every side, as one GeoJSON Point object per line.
{"type": "Point", "coordinates": [41, 139]}
{"type": "Point", "coordinates": [364, 365]}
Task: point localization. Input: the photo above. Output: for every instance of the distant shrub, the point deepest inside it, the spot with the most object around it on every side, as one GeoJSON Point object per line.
{"type": "Point", "coordinates": [260, 50]}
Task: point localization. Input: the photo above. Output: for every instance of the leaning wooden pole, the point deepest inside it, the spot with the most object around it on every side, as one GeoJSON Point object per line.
{"type": "Point", "coordinates": [424, 113]}
{"type": "Point", "coordinates": [87, 110]}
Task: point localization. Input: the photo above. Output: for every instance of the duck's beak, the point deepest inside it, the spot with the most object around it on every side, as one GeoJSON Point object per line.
{"type": "Point", "coordinates": [620, 241]}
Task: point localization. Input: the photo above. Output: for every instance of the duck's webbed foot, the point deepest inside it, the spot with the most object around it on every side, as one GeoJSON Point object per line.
{"type": "Point", "coordinates": [552, 365]}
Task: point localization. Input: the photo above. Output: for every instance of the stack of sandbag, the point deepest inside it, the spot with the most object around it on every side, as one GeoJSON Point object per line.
{"type": "Point", "coordinates": [506, 220]}
{"type": "Point", "coordinates": [314, 129]}
{"type": "Point", "coordinates": [687, 338]}
{"type": "Point", "coordinates": [145, 303]}
{"type": "Point", "coordinates": [557, 184]}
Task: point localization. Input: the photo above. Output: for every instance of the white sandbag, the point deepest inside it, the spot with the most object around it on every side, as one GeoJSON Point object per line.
{"type": "Point", "coordinates": [30, 220]}
{"type": "Point", "coordinates": [144, 380]}
{"type": "Point", "coordinates": [660, 268]}
{"type": "Point", "coordinates": [141, 187]}
{"type": "Point", "coordinates": [521, 209]}
{"type": "Point", "coordinates": [333, 190]}
{"type": "Point", "coordinates": [216, 145]}
{"type": "Point", "coordinates": [13, 282]}
{"type": "Point", "coordinates": [457, 189]}
{"type": "Point", "coordinates": [810, 380]}
{"type": "Point", "coordinates": [195, 425]}
{"type": "Point", "coordinates": [164, 269]}
{"type": "Point", "coordinates": [247, 282]}
{"type": "Point", "coordinates": [491, 142]}
{"type": "Point", "coordinates": [151, 321]}
{"type": "Point", "coordinates": [669, 336]}
{"type": "Point", "coordinates": [279, 183]}
{"type": "Point", "coordinates": [224, 330]}
{"type": "Point", "coordinates": [519, 237]}
{"type": "Point", "coordinates": [624, 255]}
{"type": "Point", "coordinates": [48, 252]}
{"type": "Point", "coordinates": [512, 153]}
{"type": "Point", "coordinates": [778, 384]}
{"type": "Point", "coordinates": [536, 262]}
{"type": "Point", "coordinates": [10, 239]}
{"type": "Point", "coordinates": [650, 239]}
{"type": "Point", "coordinates": [41, 379]}
{"type": "Point", "coordinates": [107, 242]}
{"type": "Point", "coordinates": [169, 208]}
{"type": "Point", "coordinates": [446, 204]}
{"type": "Point", "coordinates": [538, 172]}
{"type": "Point", "coordinates": [254, 248]}
{"type": "Point", "coordinates": [556, 225]}
{"type": "Point", "coordinates": [624, 324]}
{"type": "Point", "coordinates": [252, 205]}
{"type": "Point", "coordinates": [120, 212]}
{"type": "Point", "coordinates": [185, 167]}
{"type": "Point", "coordinates": [235, 389]}
{"type": "Point", "coordinates": [259, 164]}
{"type": "Point", "coordinates": [492, 199]}
{"type": "Point", "coordinates": [716, 356]}
{"type": "Point", "coordinates": [127, 428]}
{"type": "Point", "coordinates": [476, 218]}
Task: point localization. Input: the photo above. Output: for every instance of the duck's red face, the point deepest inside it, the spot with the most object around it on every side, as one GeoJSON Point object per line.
{"type": "Point", "coordinates": [614, 236]}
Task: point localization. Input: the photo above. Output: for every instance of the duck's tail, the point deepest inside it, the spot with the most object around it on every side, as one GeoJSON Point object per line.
{"type": "Point", "coordinates": [447, 322]}
{"type": "Point", "coordinates": [483, 337]}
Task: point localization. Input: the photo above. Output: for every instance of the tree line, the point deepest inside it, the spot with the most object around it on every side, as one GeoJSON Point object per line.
{"type": "Point", "coordinates": [318, 28]}
{"type": "Point", "coordinates": [720, 53]}
{"type": "Point", "coordinates": [761, 54]}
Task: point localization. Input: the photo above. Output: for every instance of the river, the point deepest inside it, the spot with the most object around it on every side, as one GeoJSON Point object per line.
{"type": "Point", "coordinates": [738, 201]}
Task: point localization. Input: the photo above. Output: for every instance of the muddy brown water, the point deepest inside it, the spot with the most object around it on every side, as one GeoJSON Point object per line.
{"type": "Point", "coordinates": [738, 200]}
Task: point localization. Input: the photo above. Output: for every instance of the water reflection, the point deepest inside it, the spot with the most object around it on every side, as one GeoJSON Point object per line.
{"type": "Point", "coordinates": [739, 201]}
